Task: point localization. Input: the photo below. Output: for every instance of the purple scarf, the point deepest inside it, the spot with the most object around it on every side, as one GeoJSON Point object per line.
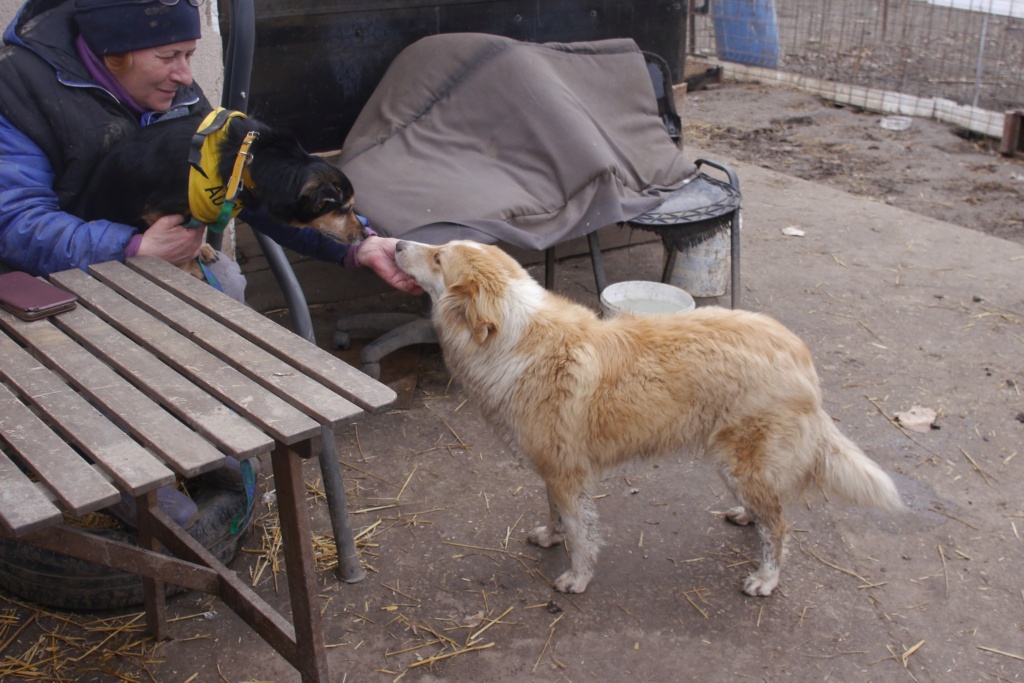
{"type": "Point", "coordinates": [103, 77]}
{"type": "Point", "coordinates": [99, 72]}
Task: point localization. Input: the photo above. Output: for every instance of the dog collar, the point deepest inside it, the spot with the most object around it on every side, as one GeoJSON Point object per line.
{"type": "Point", "coordinates": [211, 201]}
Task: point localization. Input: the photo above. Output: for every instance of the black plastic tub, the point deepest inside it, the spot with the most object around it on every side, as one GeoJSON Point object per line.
{"type": "Point", "coordinates": [317, 61]}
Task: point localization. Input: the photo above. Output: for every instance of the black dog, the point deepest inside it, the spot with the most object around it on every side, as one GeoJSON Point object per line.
{"type": "Point", "coordinates": [146, 175]}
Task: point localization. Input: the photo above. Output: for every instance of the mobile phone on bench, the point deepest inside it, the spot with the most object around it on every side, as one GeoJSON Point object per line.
{"type": "Point", "coordinates": [30, 298]}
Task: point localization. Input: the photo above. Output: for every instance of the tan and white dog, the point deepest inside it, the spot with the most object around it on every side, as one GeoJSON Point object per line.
{"type": "Point", "coordinates": [578, 394]}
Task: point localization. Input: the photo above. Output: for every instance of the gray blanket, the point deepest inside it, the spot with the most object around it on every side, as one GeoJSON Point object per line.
{"type": "Point", "coordinates": [473, 136]}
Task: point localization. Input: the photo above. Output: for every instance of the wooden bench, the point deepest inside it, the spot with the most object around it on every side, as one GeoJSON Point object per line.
{"type": "Point", "coordinates": [153, 375]}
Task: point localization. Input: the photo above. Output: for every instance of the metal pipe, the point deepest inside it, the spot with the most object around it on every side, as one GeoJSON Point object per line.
{"type": "Point", "coordinates": [981, 54]}
{"type": "Point", "coordinates": [237, 79]}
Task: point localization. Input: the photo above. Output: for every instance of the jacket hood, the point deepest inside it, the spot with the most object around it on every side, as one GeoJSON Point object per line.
{"type": "Point", "coordinates": [53, 40]}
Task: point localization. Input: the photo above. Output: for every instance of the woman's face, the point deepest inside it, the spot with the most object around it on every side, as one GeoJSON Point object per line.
{"type": "Point", "coordinates": [155, 74]}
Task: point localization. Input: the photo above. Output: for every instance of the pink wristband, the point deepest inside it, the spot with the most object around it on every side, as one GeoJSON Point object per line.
{"type": "Point", "coordinates": [350, 256]}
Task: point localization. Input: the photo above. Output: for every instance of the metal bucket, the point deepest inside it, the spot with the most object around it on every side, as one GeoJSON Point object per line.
{"type": "Point", "coordinates": [702, 269]}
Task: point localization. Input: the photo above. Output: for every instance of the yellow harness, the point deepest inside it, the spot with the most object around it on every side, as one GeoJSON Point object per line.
{"type": "Point", "coordinates": [212, 202]}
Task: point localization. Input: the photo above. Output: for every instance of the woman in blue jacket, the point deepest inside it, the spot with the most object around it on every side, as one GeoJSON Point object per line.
{"type": "Point", "coordinates": [75, 76]}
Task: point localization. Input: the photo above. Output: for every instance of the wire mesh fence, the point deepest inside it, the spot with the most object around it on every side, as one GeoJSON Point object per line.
{"type": "Point", "coordinates": [960, 60]}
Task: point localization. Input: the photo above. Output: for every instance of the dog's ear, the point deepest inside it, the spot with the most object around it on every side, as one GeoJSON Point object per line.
{"type": "Point", "coordinates": [470, 295]}
{"type": "Point", "coordinates": [482, 321]}
{"type": "Point", "coordinates": [475, 307]}
{"type": "Point", "coordinates": [325, 190]}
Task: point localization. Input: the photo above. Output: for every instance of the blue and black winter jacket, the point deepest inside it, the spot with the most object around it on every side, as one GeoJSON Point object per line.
{"type": "Point", "coordinates": [55, 125]}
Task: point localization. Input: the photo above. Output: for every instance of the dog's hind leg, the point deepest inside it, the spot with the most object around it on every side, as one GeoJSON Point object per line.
{"type": "Point", "coordinates": [743, 456]}
{"type": "Point", "coordinates": [764, 508]}
{"type": "Point", "coordinates": [771, 527]}
{"type": "Point", "coordinates": [582, 542]}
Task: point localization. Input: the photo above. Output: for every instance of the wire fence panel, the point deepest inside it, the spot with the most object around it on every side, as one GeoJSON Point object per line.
{"type": "Point", "coordinates": [966, 56]}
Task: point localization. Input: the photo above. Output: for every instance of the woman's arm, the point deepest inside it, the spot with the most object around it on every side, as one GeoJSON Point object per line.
{"type": "Point", "coordinates": [374, 252]}
{"type": "Point", "coordinates": [36, 236]}
{"type": "Point", "coordinates": [306, 241]}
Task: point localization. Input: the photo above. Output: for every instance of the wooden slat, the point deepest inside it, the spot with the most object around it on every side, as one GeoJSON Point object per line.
{"type": "Point", "coordinates": [283, 422]}
{"type": "Point", "coordinates": [196, 408]}
{"type": "Point", "coordinates": [356, 386]}
{"type": "Point", "coordinates": [185, 451]}
{"type": "Point", "coordinates": [23, 507]}
{"type": "Point", "coordinates": [73, 481]}
{"type": "Point", "coordinates": [135, 469]}
{"type": "Point", "coordinates": [269, 371]}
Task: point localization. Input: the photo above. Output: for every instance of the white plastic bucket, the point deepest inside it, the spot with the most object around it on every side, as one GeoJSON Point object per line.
{"type": "Point", "coordinates": [643, 297]}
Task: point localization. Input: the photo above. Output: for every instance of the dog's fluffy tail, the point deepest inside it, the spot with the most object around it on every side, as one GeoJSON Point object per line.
{"type": "Point", "coordinates": [848, 473]}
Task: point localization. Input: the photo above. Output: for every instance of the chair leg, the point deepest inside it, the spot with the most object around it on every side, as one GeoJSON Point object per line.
{"type": "Point", "coordinates": [735, 228]}
{"type": "Point", "coordinates": [549, 268]}
{"type": "Point", "coordinates": [350, 569]}
{"type": "Point", "coordinates": [595, 260]}
{"type": "Point", "coordinates": [302, 322]}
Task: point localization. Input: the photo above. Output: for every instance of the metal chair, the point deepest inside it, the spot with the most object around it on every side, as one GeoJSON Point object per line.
{"type": "Point", "coordinates": [695, 212]}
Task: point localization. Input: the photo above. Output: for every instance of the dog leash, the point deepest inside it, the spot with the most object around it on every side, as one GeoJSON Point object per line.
{"type": "Point", "coordinates": [211, 279]}
{"type": "Point", "coordinates": [241, 519]}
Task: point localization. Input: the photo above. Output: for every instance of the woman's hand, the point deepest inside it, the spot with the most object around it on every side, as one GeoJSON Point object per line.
{"type": "Point", "coordinates": [378, 253]}
{"type": "Point", "coordinates": [168, 239]}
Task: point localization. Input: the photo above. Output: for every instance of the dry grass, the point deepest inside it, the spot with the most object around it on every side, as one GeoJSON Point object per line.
{"type": "Point", "coordinates": [37, 644]}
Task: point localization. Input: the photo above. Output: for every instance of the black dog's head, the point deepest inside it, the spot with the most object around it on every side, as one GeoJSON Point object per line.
{"type": "Point", "coordinates": [297, 188]}
{"type": "Point", "coordinates": [327, 201]}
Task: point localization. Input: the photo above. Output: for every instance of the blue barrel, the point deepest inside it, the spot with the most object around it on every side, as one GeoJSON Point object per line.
{"type": "Point", "coordinates": [746, 31]}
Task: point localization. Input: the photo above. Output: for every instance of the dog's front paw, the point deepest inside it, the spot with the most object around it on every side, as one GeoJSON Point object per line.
{"type": "Point", "coordinates": [761, 583]}
{"type": "Point", "coordinates": [207, 254]}
{"type": "Point", "coordinates": [570, 582]}
{"type": "Point", "coordinates": [544, 537]}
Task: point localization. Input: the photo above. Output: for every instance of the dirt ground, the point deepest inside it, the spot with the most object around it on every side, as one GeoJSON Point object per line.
{"type": "Point", "coordinates": [907, 287]}
{"type": "Point", "coordinates": [932, 169]}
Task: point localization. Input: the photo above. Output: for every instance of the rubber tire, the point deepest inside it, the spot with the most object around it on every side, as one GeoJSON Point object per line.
{"type": "Point", "coordinates": [56, 580]}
